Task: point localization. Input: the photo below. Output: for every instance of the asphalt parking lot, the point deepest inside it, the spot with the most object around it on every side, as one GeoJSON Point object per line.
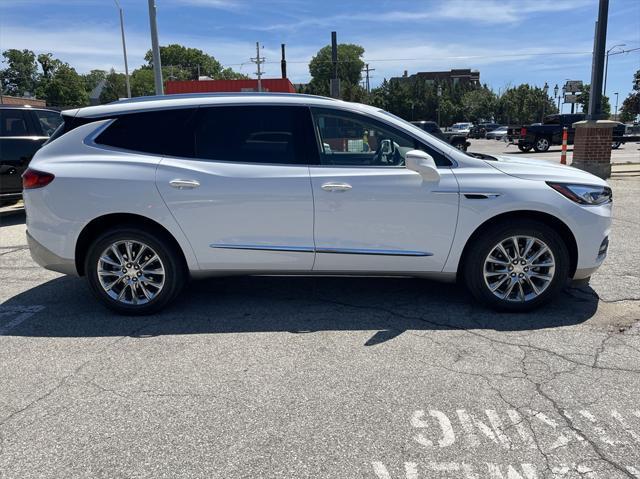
{"type": "Point", "coordinates": [270, 377]}
{"type": "Point", "coordinates": [626, 153]}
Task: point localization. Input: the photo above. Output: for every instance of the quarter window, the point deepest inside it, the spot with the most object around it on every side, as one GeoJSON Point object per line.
{"type": "Point", "coordinates": [165, 132]}
{"type": "Point", "coordinates": [349, 139]}
{"type": "Point", "coordinates": [256, 134]}
{"type": "Point", "coordinates": [48, 121]}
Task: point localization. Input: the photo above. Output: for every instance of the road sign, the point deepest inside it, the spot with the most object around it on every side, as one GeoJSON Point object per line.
{"type": "Point", "coordinates": [571, 98]}
{"type": "Point", "coordinates": [573, 86]}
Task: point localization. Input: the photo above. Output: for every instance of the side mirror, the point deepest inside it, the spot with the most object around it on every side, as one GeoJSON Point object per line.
{"type": "Point", "coordinates": [421, 162]}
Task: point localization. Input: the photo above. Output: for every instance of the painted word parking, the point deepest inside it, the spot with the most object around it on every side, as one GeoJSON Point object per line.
{"type": "Point", "coordinates": [560, 445]}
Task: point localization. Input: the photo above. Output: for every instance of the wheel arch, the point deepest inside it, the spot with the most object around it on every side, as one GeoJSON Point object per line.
{"type": "Point", "coordinates": [102, 223]}
{"type": "Point", "coordinates": [552, 221]}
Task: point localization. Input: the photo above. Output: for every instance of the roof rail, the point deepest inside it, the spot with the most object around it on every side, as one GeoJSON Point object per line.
{"type": "Point", "coordinates": [179, 96]}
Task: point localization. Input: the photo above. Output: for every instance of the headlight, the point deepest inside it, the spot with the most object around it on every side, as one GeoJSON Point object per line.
{"type": "Point", "coordinates": [583, 194]}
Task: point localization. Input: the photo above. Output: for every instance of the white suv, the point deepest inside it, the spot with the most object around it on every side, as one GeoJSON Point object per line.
{"type": "Point", "coordinates": [139, 195]}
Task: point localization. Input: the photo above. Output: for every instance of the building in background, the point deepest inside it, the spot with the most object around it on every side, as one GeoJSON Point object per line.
{"type": "Point", "coordinates": [21, 101]}
{"type": "Point", "coordinates": [453, 77]}
{"type": "Point", "coordinates": [280, 85]}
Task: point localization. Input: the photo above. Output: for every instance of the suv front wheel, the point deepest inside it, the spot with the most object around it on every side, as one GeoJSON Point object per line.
{"type": "Point", "coordinates": [134, 272]}
{"type": "Point", "coordinates": [517, 266]}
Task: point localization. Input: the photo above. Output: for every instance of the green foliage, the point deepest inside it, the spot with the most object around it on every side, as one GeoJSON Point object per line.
{"type": "Point", "coordinates": [115, 87]}
{"type": "Point", "coordinates": [62, 86]}
{"type": "Point", "coordinates": [182, 63]}
{"type": "Point", "coordinates": [583, 99]}
{"type": "Point", "coordinates": [92, 79]}
{"type": "Point", "coordinates": [142, 82]}
{"type": "Point", "coordinates": [631, 105]}
{"type": "Point", "coordinates": [523, 105]}
{"type": "Point", "coordinates": [21, 74]}
{"type": "Point", "coordinates": [350, 67]}
{"type": "Point", "coordinates": [480, 104]}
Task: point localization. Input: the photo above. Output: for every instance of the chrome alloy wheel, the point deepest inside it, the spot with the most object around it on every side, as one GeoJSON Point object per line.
{"type": "Point", "coordinates": [131, 272]}
{"type": "Point", "coordinates": [519, 268]}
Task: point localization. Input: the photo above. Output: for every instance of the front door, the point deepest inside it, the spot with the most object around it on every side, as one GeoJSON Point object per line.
{"type": "Point", "coordinates": [245, 200]}
{"type": "Point", "coordinates": [371, 213]}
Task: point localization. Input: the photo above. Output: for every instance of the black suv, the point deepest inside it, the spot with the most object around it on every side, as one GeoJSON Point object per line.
{"type": "Point", "coordinates": [23, 129]}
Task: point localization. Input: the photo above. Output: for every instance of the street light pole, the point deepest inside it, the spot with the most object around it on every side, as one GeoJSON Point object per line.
{"type": "Point", "coordinates": [124, 49]}
{"type": "Point", "coordinates": [606, 66]}
{"type": "Point", "coordinates": [439, 95]}
{"type": "Point", "coordinates": [545, 90]}
{"type": "Point", "coordinates": [155, 48]}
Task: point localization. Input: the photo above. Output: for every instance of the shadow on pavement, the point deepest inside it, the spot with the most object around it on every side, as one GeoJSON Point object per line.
{"type": "Point", "coordinates": [12, 218]}
{"type": "Point", "coordinates": [289, 304]}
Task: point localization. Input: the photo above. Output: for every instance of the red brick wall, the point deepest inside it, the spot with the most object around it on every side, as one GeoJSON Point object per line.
{"type": "Point", "coordinates": [592, 145]}
{"type": "Point", "coordinates": [16, 100]}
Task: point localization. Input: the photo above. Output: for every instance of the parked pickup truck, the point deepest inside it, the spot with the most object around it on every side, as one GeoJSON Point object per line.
{"type": "Point", "coordinates": [455, 139]}
{"type": "Point", "coordinates": [540, 136]}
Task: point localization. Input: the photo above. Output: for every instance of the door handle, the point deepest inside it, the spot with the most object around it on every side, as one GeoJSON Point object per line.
{"type": "Point", "coordinates": [184, 184]}
{"type": "Point", "coordinates": [339, 187]}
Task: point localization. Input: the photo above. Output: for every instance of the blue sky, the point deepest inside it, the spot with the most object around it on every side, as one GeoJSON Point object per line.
{"type": "Point", "coordinates": [509, 41]}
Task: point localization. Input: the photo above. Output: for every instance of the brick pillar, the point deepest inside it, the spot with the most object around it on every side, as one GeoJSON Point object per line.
{"type": "Point", "coordinates": [592, 146]}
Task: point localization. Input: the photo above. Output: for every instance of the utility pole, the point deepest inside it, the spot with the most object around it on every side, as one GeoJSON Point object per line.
{"type": "Point", "coordinates": [367, 70]}
{"type": "Point", "coordinates": [258, 60]}
{"type": "Point", "coordinates": [283, 63]}
{"type": "Point", "coordinates": [155, 48]}
{"type": "Point", "coordinates": [334, 86]}
{"type": "Point", "coordinates": [124, 49]}
{"type": "Point", "coordinates": [599, 45]}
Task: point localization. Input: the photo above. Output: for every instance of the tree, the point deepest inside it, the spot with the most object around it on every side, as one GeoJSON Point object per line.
{"type": "Point", "coordinates": [350, 67]}
{"type": "Point", "coordinates": [631, 105]}
{"type": "Point", "coordinates": [142, 82]}
{"type": "Point", "coordinates": [524, 104]}
{"type": "Point", "coordinates": [184, 63]}
{"type": "Point", "coordinates": [115, 87]}
{"type": "Point", "coordinates": [21, 74]}
{"type": "Point", "coordinates": [59, 83]}
{"type": "Point", "coordinates": [92, 79]}
{"type": "Point", "coordinates": [583, 99]}
{"type": "Point", "coordinates": [479, 104]}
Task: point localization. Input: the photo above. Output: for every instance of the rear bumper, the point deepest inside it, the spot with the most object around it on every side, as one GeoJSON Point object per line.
{"type": "Point", "coordinates": [49, 260]}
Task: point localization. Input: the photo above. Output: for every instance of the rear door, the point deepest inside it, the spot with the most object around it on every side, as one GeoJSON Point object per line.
{"type": "Point", "coordinates": [18, 143]}
{"type": "Point", "coordinates": [244, 200]}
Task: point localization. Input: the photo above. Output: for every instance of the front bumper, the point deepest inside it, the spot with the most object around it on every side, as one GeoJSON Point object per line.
{"type": "Point", "coordinates": [49, 260]}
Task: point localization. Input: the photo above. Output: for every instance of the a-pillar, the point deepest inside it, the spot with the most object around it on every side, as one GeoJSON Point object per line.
{"type": "Point", "coordinates": [592, 146]}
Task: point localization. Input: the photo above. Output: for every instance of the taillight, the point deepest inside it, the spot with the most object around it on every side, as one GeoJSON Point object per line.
{"type": "Point", "coordinates": [35, 179]}
{"type": "Point", "coordinates": [523, 132]}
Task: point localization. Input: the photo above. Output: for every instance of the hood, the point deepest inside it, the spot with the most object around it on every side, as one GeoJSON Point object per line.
{"type": "Point", "coordinates": [532, 169]}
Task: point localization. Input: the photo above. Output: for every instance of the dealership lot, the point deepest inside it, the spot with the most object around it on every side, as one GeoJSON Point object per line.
{"type": "Point", "coordinates": [322, 377]}
{"type": "Point", "coordinates": [627, 153]}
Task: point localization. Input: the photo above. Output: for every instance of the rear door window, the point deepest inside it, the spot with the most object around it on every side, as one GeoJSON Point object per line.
{"type": "Point", "coordinates": [13, 123]}
{"type": "Point", "coordinates": [256, 134]}
{"type": "Point", "coordinates": [165, 132]}
{"type": "Point", "coordinates": [49, 121]}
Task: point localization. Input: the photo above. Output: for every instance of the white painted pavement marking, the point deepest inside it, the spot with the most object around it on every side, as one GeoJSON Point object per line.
{"type": "Point", "coordinates": [22, 314]}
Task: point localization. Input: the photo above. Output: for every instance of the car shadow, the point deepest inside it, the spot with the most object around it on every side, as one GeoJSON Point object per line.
{"type": "Point", "coordinates": [297, 305]}
{"type": "Point", "coordinates": [12, 217]}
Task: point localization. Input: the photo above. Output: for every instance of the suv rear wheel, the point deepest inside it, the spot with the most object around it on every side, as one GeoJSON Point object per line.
{"type": "Point", "coordinates": [517, 266]}
{"type": "Point", "coordinates": [134, 272]}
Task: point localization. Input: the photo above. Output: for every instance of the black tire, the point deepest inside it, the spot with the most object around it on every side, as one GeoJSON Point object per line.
{"type": "Point", "coordinates": [474, 266]}
{"type": "Point", "coordinates": [460, 145]}
{"type": "Point", "coordinates": [524, 148]}
{"type": "Point", "coordinates": [541, 144]}
{"type": "Point", "coordinates": [170, 260]}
